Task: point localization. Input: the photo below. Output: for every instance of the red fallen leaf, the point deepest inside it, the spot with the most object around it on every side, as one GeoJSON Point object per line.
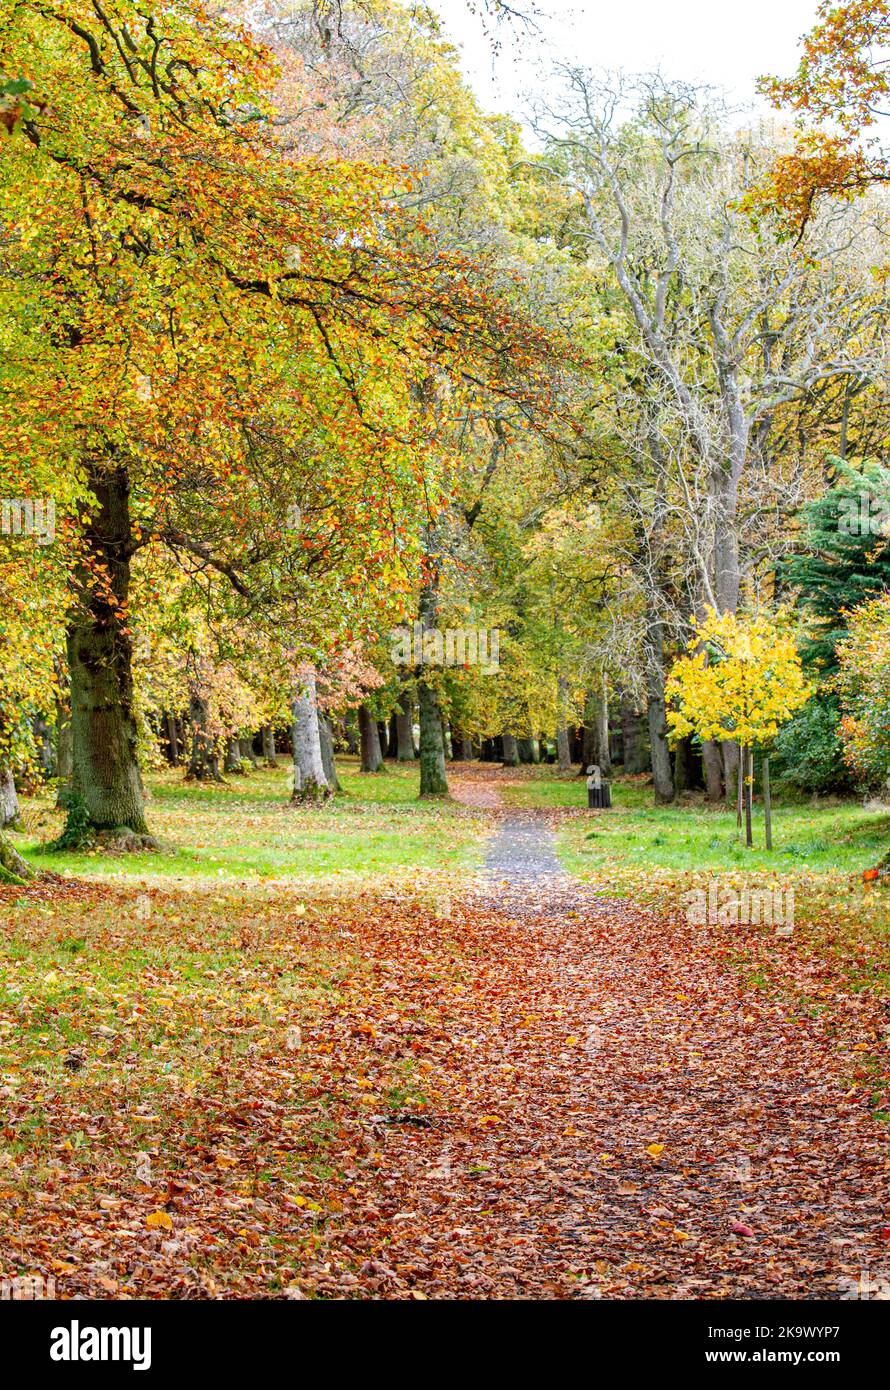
{"type": "Point", "coordinates": [884, 1233]}
{"type": "Point", "coordinates": [869, 875]}
{"type": "Point", "coordinates": [741, 1230]}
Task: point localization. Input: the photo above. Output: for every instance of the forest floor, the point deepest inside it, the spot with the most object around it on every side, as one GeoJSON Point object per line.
{"type": "Point", "coordinates": [390, 1050]}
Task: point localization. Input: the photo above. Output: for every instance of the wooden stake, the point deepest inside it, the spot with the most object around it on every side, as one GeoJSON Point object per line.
{"type": "Point", "coordinates": [741, 783]}
{"type": "Point", "coordinates": [767, 806]}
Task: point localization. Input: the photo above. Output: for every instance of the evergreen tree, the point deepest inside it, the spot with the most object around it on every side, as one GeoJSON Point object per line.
{"type": "Point", "coordinates": [844, 559]}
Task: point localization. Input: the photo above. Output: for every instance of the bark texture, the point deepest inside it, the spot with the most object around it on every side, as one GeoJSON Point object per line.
{"type": "Point", "coordinates": [326, 738]}
{"type": "Point", "coordinates": [13, 868]}
{"type": "Point", "coordinates": [433, 778]}
{"type": "Point", "coordinates": [9, 802]}
{"type": "Point", "coordinates": [310, 782]}
{"type": "Point", "coordinates": [372, 758]}
{"type": "Point", "coordinates": [105, 775]}
{"type": "Point", "coordinates": [405, 752]}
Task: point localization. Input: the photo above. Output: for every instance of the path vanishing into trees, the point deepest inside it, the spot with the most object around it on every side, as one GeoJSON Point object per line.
{"type": "Point", "coordinates": [522, 1089]}
{"type": "Point", "coordinates": [625, 1115]}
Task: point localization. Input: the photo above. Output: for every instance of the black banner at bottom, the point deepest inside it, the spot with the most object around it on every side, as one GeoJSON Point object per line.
{"type": "Point", "coordinates": [90, 1341]}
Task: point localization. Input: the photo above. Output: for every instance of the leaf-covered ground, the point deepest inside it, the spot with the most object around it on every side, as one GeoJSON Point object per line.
{"type": "Point", "coordinates": [522, 1088]}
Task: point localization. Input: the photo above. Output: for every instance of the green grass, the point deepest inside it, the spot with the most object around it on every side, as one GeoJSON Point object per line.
{"type": "Point", "coordinates": [819, 837]}
{"type": "Point", "coordinates": [246, 828]}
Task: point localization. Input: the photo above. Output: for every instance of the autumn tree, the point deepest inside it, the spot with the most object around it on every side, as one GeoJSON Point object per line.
{"type": "Point", "coordinates": [187, 273]}
{"type": "Point", "coordinates": [838, 95]}
{"type": "Point", "coordinates": [741, 680]}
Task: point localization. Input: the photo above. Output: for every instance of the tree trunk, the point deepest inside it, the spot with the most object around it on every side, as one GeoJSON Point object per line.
{"type": "Point", "coordinates": [13, 868]}
{"type": "Point", "coordinates": [662, 777]}
{"type": "Point", "coordinates": [105, 776]}
{"type": "Point", "coordinates": [588, 733]}
{"type": "Point", "coordinates": [172, 740]}
{"type": "Point", "coordinates": [45, 749]}
{"type": "Point", "coordinates": [767, 806]}
{"type": "Point", "coordinates": [310, 782]}
{"type": "Point", "coordinates": [245, 746]}
{"type": "Point", "coordinates": [9, 802]}
{"type": "Point", "coordinates": [458, 743]}
{"type": "Point", "coordinates": [352, 724]}
{"type": "Point", "coordinates": [372, 758]}
{"type": "Point", "coordinates": [528, 750]}
{"type": "Point", "coordinates": [204, 760]}
{"type": "Point", "coordinates": [601, 727]}
{"type": "Point", "coordinates": [326, 739]}
{"type": "Point", "coordinates": [433, 779]}
{"type": "Point", "coordinates": [631, 730]}
{"type": "Point", "coordinates": [509, 750]}
{"type": "Point", "coordinates": [268, 736]}
{"type": "Point", "coordinates": [712, 762]}
{"type": "Point", "coordinates": [748, 768]}
{"type": "Point", "coordinates": [383, 737]}
{"type": "Point", "coordinates": [232, 761]}
{"type": "Point", "coordinates": [681, 765]}
{"type": "Point", "coordinates": [563, 751]}
{"type": "Point", "coordinates": [730, 751]}
{"type": "Point", "coordinates": [405, 728]}
{"type": "Point", "coordinates": [64, 752]}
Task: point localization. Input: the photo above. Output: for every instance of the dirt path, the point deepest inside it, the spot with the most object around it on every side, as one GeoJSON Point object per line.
{"type": "Point", "coordinates": [614, 1113]}
{"type": "Point", "coordinates": [531, 1092]}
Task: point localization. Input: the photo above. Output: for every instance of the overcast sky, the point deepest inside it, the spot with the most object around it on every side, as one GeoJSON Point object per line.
{"type": "Point", "coordinates": [726, 46]}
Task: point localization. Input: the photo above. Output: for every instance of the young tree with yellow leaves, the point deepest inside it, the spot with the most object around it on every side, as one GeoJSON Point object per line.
{"type": "Point", "coordinates": [742, 680]}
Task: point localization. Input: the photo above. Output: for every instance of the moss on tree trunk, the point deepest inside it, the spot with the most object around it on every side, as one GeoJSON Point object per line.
{"type": "Point", "coordinates": [13, 868]}
{"type": "Point", "coordinates": [105, 780]}
{"type": "Point", "coordinates": [433, 778]}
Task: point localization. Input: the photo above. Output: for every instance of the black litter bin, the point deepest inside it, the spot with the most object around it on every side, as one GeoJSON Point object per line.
{"type": "Point", "coordinates": [600, 798]}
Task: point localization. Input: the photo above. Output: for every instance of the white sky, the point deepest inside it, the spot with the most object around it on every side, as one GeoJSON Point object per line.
{"type": "Point", "coordinates": [726, 46]}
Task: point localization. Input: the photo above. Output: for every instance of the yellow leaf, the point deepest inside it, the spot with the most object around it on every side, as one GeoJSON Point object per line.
{"type": "Point", "coordinates": [159, 1220]}
{"type": "Point", "coordinates": [655, 1150]}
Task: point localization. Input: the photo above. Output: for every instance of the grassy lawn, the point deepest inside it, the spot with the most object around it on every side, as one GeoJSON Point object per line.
{"type": "Point", "coordinates": [818, 837]}
{"type": "Point", "coordinates": [661, 855]}
{"type": "Point", "coordinates": [209, 1055]}
{"type": "Point", "coordinates": [246, 828]}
